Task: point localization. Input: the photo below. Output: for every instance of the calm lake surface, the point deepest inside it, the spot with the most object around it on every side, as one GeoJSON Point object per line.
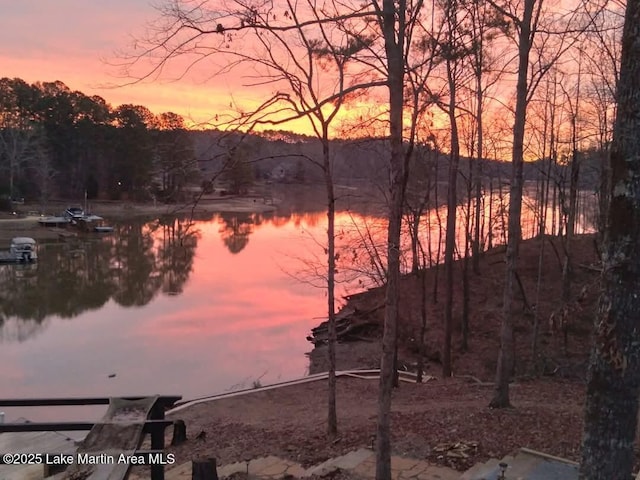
{"type": "Point", "coordinates": [165, 308]}
{"type": "Point", "coordinates": [168, 306]}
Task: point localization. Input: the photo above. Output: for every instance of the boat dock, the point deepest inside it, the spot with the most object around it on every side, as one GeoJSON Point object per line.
{"type": "Point", "coordinates": [6, 257]}
{"type": "Point", "coordinates": [53, 221]}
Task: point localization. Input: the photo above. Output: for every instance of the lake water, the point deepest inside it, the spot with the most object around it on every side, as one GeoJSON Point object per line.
{"type": "Point", "coordinates": [172, 307]}
{"type": "Point", "coordinates": [158, 308]}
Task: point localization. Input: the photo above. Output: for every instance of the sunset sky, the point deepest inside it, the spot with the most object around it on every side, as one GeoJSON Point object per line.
{"type": "Point", "coordinates": [76, 42]}
{"type": "Point", "coordinates": [80, 42]}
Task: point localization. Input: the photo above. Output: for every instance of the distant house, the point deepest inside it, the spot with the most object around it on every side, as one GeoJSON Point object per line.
{"type": "Point", "coordinates": [283, 172]}
{"type": "Point", "coordinates": [279, 173]}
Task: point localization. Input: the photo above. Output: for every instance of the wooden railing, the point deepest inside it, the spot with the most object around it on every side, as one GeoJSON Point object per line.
{"type": "Point", "coordinates": [155, 424]}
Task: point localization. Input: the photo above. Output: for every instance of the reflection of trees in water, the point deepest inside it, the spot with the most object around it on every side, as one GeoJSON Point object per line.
{"type": "Point", "coordinates": [175, 254]}
{"type": "Point", "coordinates": [277, 219]}
{"type": "Point", "coordinates": [15, 330]}
{"type": "Point", "coordinates": [14, 280]}
{"type": "Point", "coordinates": [136, 280]}
{"type": "Point", "coordinates": [235, 230]}
{"type": "Point", "coordinates": [130, 266]}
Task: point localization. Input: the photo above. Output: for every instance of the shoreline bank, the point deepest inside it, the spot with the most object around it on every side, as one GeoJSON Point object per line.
{"type": "Point", "coordinates": [25, 222]}
{"type": "Point", "coordinates": [430, 421]}
{"type": "Point", "coordinates": [360, 320]}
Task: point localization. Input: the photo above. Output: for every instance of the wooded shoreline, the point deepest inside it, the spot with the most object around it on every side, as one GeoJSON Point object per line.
{"type": "Point", "coordinates": [359, 321]}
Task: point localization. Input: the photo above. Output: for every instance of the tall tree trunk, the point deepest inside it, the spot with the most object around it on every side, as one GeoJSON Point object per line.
{"type": "Point", "coordinates": [503, 219]}
{"type": "Point", "coordinates": [573, 191]}
{"type": "Point", "coordinates": [332, 415]}
{"type": "Point", "coordinates": [546, 198]}
{"type": "Point", "coordinates": [614, 371]}
{"type": "Point", "coordinates": [436, 277]}
{"type": "Point", "coordinates": [490, 229]}
{"type": "Point", "coordinates": [542, 231]}
{"type": "Point", "coordinates": [466, 298]}
{"type": "Point", "coordinates": [477, 171]}
{"type": "Point", "coordinates": [555, 214]}
{"type": "Point", "coordinates": [414, 229]}
{"type": "Point", "coordinates": [466, 284]}
{"type": "Point", "coordinates": [545, 172]}
{"type": "Point", "coordinates": [450, 237]}
{"type": "Point", "coordinates": [603, 199]}
{"type": "Point", "coordinates": [505, 367]}
{"type": "Point", "coordinates": [394, 47]}
{"type": "Point", "coordinates": [575, 168]}
{"type": "Point", "coordinates": [423, 320]}
{"type": "Point", "coordinates": [567, 268]}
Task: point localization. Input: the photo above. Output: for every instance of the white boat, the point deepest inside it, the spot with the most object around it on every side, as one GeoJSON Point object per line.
{"type": "Point", "coordinates": [22, 250]}
{"type": "Point", "coordinates": [74, 214]}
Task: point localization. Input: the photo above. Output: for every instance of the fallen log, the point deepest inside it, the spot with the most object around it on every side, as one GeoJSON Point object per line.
{"type": "Point", "coordinates": [351, 332]}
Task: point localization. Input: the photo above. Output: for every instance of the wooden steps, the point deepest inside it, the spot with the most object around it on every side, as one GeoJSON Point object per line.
{"type": "Point", "coordinates": [32, 442]}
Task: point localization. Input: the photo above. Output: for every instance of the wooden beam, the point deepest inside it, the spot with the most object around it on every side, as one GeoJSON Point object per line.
{"type": "Point", "coordinates": [150, 426]}
{"type": "Point", "coordinates": [165, 400]}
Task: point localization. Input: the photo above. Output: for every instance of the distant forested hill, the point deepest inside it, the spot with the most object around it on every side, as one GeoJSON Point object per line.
{"type": "Point", "coordinates": [60, 143]}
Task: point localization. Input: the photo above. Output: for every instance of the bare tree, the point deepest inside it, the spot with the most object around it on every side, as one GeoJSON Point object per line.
{"type": "Point", "coordinates": [301, 50]}
{"type": "Point", "coordinates": [614, 373]}
{"type": "Point", "coordinates": [486, 64]}
{"type": "Point", "coordinates": [525, 25]}
{"type": "Point", "coordinates": [554, 38]}
{"type": "Point", "coordinates": [602, 48]}
{"type": "Point", "coordinates": [571, 206]}
{"type": "Point", "coordinates": [393, 22]}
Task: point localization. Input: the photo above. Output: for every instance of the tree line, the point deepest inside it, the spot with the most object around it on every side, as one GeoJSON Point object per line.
{"type": "Point", "coordinates": [58, 143]}
{"type": "Point", "coordinates": [55, 142]}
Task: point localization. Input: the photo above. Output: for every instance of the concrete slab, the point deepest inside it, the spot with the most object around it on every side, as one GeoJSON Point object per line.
{"type": "Point", "coordinates": [403, 463]}
{"type": "Point", "coordinates": [435, 472]}
{"type": "Point", "coordinates": [482, 471]}
{"type": "Point", "coordinates": [257, 466]}
{"type": "Point", "coordinates": [553, 471]}
{"type": "Point", "coordinates": [353, 459]}
{"type": "Point", "coordinates": [361, 462]}
{"type": "Point", "coordinates": [414, 471]}
{"type": "Point", "coordinates": [346, 462]}
{"type": "Point", "coordinates": [525, 466]}
{"type": "Point", "coordinates": [231, 468]}
{"type": "Point", "coordinates": [275, 470]}
{"type": "Point", "coordinates": [295, 470]}
{"type": "Point", "coordinates": [366, 470]}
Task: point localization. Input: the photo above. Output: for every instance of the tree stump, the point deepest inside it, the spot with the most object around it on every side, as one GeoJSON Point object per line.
{"type": "Point", "coordinates": [179, 433]}
{"type": "Point", "coordinates": [204, 469]}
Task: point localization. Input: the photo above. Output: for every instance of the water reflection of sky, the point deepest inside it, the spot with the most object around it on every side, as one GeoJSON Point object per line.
{"type": "Point", "coordinates": [240, 317]}
{"type": "Point", "coordinates": [209, 321]}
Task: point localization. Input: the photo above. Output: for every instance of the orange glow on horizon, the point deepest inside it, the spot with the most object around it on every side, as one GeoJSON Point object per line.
{"type": "Point", "coordinates": [79, 47]}
{"type": "Point", "coordinates": [199, 104]}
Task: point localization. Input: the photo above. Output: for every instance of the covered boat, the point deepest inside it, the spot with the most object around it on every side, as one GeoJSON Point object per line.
{"type": "Point", "coordinates": [21, 250]}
